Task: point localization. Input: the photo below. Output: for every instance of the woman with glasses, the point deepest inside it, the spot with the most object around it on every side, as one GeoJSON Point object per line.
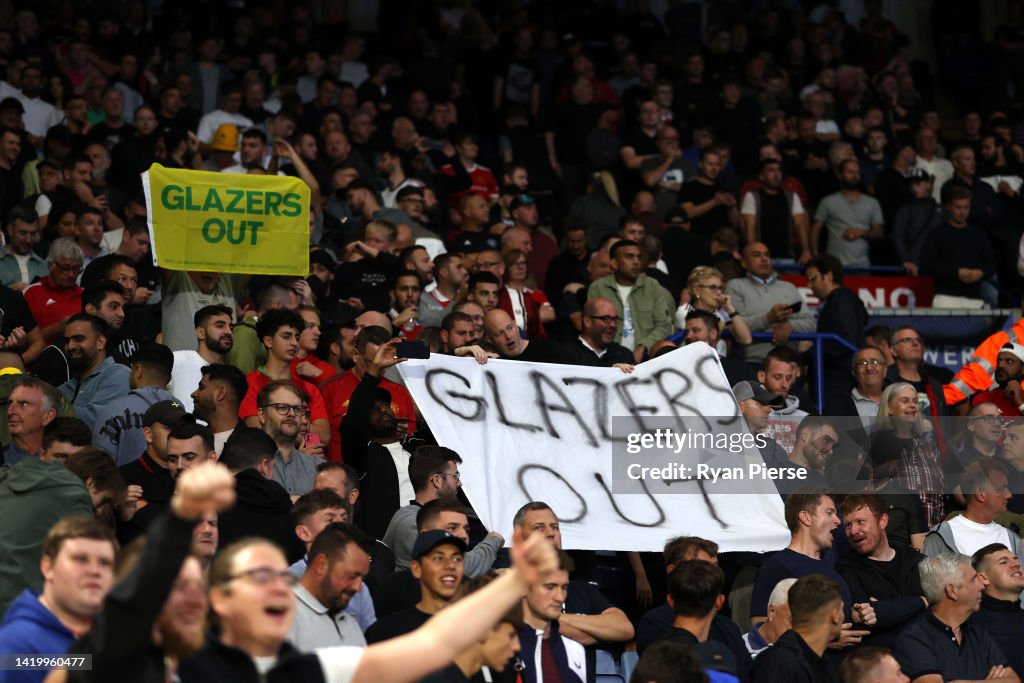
{"type": "Point", "coordinates": [530, 308]}
{"type": "Point", "coordinates": [705, 291]}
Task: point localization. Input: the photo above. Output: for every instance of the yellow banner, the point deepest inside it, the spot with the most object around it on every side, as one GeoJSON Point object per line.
{"type": "Point", "coordinates": [226, 222]}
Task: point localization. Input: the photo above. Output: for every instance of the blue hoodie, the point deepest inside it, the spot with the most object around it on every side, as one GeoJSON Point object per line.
{"type": "Point", "coordinates": [30, 628]}
{"type": "Point", "coordinates": [118, 426]}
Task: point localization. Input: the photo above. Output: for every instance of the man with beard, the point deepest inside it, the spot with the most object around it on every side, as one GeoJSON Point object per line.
{"type": "Point", "coordinates": [850, 217]}
{"type": "Point", "coordinates": [417, 259]}
{"type": "Point", "coordinates": [217, 399]}
{"type": "Point", "coordinates": [883, 579]}
{"type": "Point", "coordinates": [1008, 397]}
{"type": "Point", "coordinates": [96, 378]}
{"type": "Point", "coordinates": [279, 332]}
{"type": "Point", "coordinates": [813, 444]}
{"type": "Point", "coordinates": [337, 391]}
{"type": "Point", "coordinates": [476, 314]}
{"type": "Point", "coordinates": [338, 560]}
{"type": "Point", "coordinates": [141, 321]}
{"type": "Point", "coordinates": [214, 335]}
{"type": "Point", "coordinates": [156, 615]}
{"type": "Point", "coordinates": [280, 407]}
{"type": "Point", "coordinates": [405, 300]}
{"type": "Point", "coordinates": [596, 344]}
{"type": "Point", "coordinates": [106, 299]}
{"type": "Point", "coordinates": [644, 305]}
{"type": "Point", "coordinates": [437, 563]}
{"type": "Point", "coordinates": [372, 443]}
{"type": "Point", "coordinates": [1000, 612]}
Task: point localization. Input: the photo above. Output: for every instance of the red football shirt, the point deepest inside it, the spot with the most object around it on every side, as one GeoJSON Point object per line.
{"type": "Point", "coordinates": [338, 390]}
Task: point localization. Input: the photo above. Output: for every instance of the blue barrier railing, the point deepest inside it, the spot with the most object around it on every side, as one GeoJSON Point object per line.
{"type": "Point", "coordinates": [792, 267]}
{"type": "Point", "coordinates": [819, 355]}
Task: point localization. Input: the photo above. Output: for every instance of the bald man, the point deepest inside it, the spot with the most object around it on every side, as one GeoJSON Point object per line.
{"type": "Point", "coordinates": [501, 331]}
{"type": "Point", "coordinates": [765, 302]}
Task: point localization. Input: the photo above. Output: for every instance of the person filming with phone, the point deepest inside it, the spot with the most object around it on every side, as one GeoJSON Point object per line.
{"type": "Point", "coordinates": [767, 303]}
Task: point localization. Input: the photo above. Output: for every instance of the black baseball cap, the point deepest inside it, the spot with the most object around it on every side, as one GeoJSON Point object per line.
{"type": "Point", "coordinates": [428, 540]}
{"type": "Point", "coordinates": [167, 413]}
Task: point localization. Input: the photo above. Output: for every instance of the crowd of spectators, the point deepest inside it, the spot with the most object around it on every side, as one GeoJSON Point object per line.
{"type": "Point", "coordinates": [574, 182]}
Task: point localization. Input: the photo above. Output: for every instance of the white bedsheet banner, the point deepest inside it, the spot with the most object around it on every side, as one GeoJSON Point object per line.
{"type": "Point", "coordinates": [537, 431]}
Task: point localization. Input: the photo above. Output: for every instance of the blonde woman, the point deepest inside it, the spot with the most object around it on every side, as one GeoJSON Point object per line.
{"type": "Point", "coordinates": [904, 449]}
{"type": "Point", "coordinates": [706, 291]}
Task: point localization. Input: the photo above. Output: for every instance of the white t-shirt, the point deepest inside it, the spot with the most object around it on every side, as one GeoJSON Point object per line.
{"type": "Point", "coordinates": [628, 329]}
{"type": "Point", "coordinates": [970, 537]}
{"type": "Point", "coordinates": [39, 116]}
{"type": "Point", "coordinates": [185, 376]}
{"type": "Point", "coordinates": [401, 458]}
{"type": "Point", "coordinates": [22, 265]}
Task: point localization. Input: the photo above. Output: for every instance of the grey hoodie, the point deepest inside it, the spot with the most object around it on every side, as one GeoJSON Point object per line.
{"type": "Point", "coordinates": [118, 426]}
{"type": "Point", "coordinates": [939, 539]}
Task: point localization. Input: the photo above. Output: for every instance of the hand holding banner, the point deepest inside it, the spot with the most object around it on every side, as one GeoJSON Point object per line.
{"type": "Point", "coordinates": [229, 223]}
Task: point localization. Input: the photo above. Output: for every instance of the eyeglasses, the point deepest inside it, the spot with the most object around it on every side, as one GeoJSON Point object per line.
{"type": "Point", "coordinates": [988, 419]}
{"type": "Point", "coordinates": [264, 576]}
{"type": "Point", "coordinates": [714, 288]}
{"type": "Point", "coordinates": [457, 475]}
{"type": "Point", "coordinates": [917, 341]}
{"type": "Point", "coordinates": [287, 409]}
{"type": "Point", "coordinates": [69, 268]}
{"type": "Point", "coordinates": [606, 319]}
{"type": "Point", "coordinates": [869, 361]}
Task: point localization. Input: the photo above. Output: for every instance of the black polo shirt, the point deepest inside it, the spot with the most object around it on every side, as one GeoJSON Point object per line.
{"type": "Point", "coordinates": [928, 646]}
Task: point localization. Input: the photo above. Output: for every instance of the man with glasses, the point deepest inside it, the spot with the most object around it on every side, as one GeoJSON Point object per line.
{"type": "Point", "coordinates": [1008, 396]}
{"type": "Point", "coordinates": [868, 378]}
{"type": "Point", "coordinates": [908, 349]}
{"type": "Point", "coordinates": [984, 430]}
{"type": "Point", "coordinates": [57, 297]}
{"type": "Point", "coordinates": [281, 407]}
{"type": "Point", "coordinates": [279, 331]}
{"type": "Point", "coordinates": [596, 344]}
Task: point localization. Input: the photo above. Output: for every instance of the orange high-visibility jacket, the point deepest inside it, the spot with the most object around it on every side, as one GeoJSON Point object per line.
{"type": "Point", "coordinates": [979, 374]}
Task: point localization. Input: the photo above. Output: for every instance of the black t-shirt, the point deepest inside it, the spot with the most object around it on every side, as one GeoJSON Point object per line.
{"type": "Point", "coordinates": [157, 490]}
{"type": "Point", "coordinates": [11, 191]}
{"type": "Point", "coordinates": [466, 242]}
{"type": "Point", "coordinates": [642, 143]}
{"type": "Point", "coordinates": [397, 591]}
{"type": "Point", "coordinates": [697, 193]}
{"type": "Point", "coordinates": [545, 351]}
{"type": "Point", "coordinates": [450, 674]}
{"type": "Point", "coordinates": [571, 125]}
{"type": "Point", "coordinates": [397, 624]}
{"type": "Point", "coordinates": [366, 279]}
{"type": "Point", "coordinates": [109, 136]}
{"type": "Point", "coordinates": [15, 312]}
